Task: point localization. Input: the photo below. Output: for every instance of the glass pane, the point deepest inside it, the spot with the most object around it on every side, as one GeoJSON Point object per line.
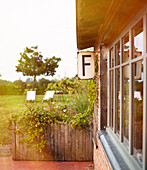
{"type": "Point", "coordinates": [112, 57]}
{"type": "Point", "coordinates": [126, 103]}
{"type": "Point", "coordinates": [126, 48]}
{"type": "Point", "coordinates": [138, 109]}
{"type": "Point", "coordinates": [111, 118]}
{"type": "Point", "coordinates": [117, 56]}
{"type": "Point", "coordinates": [138, 39]}
{"type": "Point", "coordinates": [117, 100]}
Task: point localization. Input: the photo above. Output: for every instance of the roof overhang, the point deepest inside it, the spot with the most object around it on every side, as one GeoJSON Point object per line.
{"type": "Point", "coordinates": [103, 20]}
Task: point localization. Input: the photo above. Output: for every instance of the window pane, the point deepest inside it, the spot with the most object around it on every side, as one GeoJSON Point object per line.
{"type": "Point", "coordinates": [117, 57]}
{"type": "Point", "coordinates": [112, 57]}
{"type": "Point", "coordinates": [111, 119]}
{"type": "Point", "coordinates": [138, 39]}
{"type": "Point", "coordinates": [117, 100]}
{"type": "Point", "coordinates": [126, 103]}
{"type": "Point", "coordinates": [125, 48]}
{"type": "Point", "coordinates": [138, 109]}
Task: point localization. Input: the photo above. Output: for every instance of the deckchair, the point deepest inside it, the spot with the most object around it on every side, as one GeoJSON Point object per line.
{"type": "Point", "coordinates": [31, 96]}
{"type": "Point", "coordinates": [48, 95]}
{"type": "Point", "coordinates": [137, 95]}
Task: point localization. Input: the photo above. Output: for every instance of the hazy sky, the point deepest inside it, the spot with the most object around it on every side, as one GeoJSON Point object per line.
{"type": "Point", "coordinates": [49, 24]}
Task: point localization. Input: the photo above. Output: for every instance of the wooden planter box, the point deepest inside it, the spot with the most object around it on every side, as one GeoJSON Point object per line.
{"type": "Point", "coordinates": [63, 144]}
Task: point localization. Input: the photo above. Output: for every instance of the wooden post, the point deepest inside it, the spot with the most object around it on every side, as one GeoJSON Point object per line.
{"type": "Point", "coordinates": [13, 141]}
{"type": "Point", "coordinates": [73, 139]}
{"type": "Point", "coordinates": [69, 142]}
{"type": "Point", "coordinates": [62, 142]}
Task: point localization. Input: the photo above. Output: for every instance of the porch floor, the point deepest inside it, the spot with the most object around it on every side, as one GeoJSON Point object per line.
{"type": "Point", "coordinates": [6, 163]}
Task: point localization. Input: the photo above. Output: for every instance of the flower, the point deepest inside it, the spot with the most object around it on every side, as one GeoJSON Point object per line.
{"type": "Point", "coordinates": [64, 110]}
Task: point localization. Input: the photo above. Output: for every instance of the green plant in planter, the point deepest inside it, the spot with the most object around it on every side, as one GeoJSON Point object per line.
{"type": "Point", "coordinates": [32, 122]}
{"type": "Point", "coordinates": [85, 117]}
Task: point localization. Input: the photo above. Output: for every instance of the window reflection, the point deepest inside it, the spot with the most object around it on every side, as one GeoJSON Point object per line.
{"type": "Point", "coordinates": [112, 57]}
{"type": "Point", "coordinates": [117, 57]}
{"type": "Point", "coordinates": [126, 48]}
{"type": "Point", "coordinates": [126, 105]}
{"type": "Point", "coordinates": [117, 100]}
{"type": "Point", "coordinates": [138, 39]}
{"type": "Point", "coordinates": [111, 118]}
{"type": "Point", "coordinates": [138, 109]}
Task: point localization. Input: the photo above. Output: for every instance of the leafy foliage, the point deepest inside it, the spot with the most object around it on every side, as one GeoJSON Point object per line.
{"type": "Point", "coordinates": [20, 86]}
{"type": "Point", "coordinates": [5, 82]}
{"type": "Point", "coordinates": [67, 85]}
{"type": "Point", "coordinates": [8, 89]}
{"type": "Point", "coordinates": [87, 116]}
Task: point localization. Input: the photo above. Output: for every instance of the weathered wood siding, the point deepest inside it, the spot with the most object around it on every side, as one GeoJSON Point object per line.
{"type": "Point", "coordinates": [63, 144]}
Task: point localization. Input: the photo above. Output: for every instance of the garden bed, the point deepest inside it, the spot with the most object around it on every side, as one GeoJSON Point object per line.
{"type": "Point", "coordinates": [63, 144]}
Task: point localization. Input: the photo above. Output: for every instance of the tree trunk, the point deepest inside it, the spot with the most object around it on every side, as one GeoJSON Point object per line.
{"type": "Point", "coordinates": [34, 82]}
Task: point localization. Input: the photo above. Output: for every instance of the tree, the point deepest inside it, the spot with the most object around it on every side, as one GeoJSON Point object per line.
{"type": "Point", "coordinates": [42, 85]}
{"type": "Point", "coordinates": [43, 81]}
{"type": "Point", "coordinates": [5, 82]}
{"type": "Point", "coordinates": [32, 63]}
{"type": "Point", "coordinates": [20, 85]}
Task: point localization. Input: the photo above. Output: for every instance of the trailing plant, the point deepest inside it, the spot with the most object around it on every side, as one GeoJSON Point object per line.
{"type": "Point", "coordinates": [32, 122]}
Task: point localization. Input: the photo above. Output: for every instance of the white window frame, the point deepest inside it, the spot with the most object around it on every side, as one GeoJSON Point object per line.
{"type": "Point", "coordinates": [141, 15]}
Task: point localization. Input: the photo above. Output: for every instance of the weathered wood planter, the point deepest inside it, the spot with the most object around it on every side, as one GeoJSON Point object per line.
{"type": "Point", "coordinates": [63, 144]}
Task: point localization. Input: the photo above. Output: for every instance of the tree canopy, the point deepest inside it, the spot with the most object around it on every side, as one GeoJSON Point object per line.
{"type": "Point", "coordinates": [32, 63]}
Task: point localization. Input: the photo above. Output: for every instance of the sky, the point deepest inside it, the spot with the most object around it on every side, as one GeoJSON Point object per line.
{"type": "Point", "coordinates": [50, 24]}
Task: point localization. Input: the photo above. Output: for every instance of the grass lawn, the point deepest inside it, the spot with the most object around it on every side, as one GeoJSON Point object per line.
{"type": "Point", "coordinates": [10, 104]}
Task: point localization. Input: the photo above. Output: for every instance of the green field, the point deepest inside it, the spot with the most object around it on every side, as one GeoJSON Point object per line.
{"type": "Point", "coordinates": [10, 104]}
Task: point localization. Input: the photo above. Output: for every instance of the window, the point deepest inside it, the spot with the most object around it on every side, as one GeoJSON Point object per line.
{"type": "Point", "coordinates": [126, 81]}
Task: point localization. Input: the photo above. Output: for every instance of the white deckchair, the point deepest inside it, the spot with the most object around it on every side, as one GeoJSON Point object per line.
{"type": "Point", "coordinates": [48, 95]}
{"type": "Point", "coordinates": [137, 95]}
{"type": "Point", "coordinates": [31, 96]}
